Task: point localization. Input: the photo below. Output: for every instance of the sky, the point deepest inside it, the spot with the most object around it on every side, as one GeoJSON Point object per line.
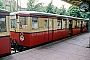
{"type": "Point", "coordinates": [57, 3]}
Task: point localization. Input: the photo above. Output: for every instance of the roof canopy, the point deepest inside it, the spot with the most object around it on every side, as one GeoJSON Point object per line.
{"type": "Point", "coordinates": [76, 2]}
{"type": "Point", "coordinates": [84, 5]}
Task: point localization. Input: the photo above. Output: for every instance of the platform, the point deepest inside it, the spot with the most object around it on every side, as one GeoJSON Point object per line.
{"type": "Point", "coordinates": [72, 48]}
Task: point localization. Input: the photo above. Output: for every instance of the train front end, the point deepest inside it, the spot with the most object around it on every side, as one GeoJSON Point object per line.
{"type": "Point", "coordinates": [5, 47]}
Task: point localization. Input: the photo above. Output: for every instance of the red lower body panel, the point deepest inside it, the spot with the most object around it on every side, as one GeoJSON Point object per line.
{"type": "Point", "coordinates": [15, 36]}
{"type": "Point", "coordinates": [33, 39]}
{"type": "Point", "coordinates": [84, 29]}
{"type": "Point", "coordinates": [5, 46]}
{"type": "Point", "coordinates": [30, 39]}
{"type": "Point", "coordinates": [50, 35]}
{"type": "Point", "coordinates": [75, 31]}
{"type": "Point", "coordinates": [60, 34]}
{"type": "Point", "coordinates": [36, 38]}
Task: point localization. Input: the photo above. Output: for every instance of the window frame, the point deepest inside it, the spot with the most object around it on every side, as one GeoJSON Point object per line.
{"type": "Point", "coordinates": [33, 25]}
{"type": "Point", "coordinates": [45, 24]}
{"type": "Point", "coordinates": [5, 24]}
{"type": "Point", "coordinates": [59, 25]}
{"type": "Point", "coordinates": [75, 24]}
{"type": "Point", "coordinates": [65, 24]}
{"type": "Point", "coordinates": [23, 26]}
{"type": "Point", "coordinates": [14, 24]}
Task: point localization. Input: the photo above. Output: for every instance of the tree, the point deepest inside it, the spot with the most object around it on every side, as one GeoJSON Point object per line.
{"type": "Point", "coordinates": [38, 7]}
{"type": "Point", "coordinates": [49, 8]}
{"type": "Point", "coordinates": [30, 5]}
{"type": "Point", "coordinates": [56, 10]}
{"type": "Point", "coordinates": [62, 10]}
{"type": "Point", "coordinates": [74, 11]}
{"type": "Point", "coordinates": [13, 6]}
{"type": "Point", "coordinates": [2, 5]}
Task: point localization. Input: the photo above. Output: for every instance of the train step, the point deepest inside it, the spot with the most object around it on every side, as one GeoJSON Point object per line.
{"type": "Point", "coordinates": [13, 51]}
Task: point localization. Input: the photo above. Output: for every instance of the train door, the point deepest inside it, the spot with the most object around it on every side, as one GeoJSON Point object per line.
{"type": "Point", "coordinates": [50, 29]}
{"type": "Point", "coordinates": [70, 27]}
{"type": "Point", "coordinates": [81, 26]}
{"type": "Point", "coordinates": [13, 23]}
{"type": "Point", "coordinates": [87, 25]}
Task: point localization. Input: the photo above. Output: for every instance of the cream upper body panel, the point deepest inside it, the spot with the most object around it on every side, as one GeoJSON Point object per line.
{"type": "Point", "coordinates": [37, 23]}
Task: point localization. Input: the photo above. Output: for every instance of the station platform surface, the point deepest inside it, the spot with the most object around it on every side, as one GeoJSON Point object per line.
{"type": "Point", "coordinates": [71, 48]}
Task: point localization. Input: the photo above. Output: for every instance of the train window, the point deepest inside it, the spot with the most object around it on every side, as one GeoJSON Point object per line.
{"type": "Point", "coordinates": [34, 23]}
{"type": "Point", "coordinates": [59, 24]}
{"type": "Point", "coordinates": [78, 23]}
{"type": "Point", "coordinates": [45, 23]}
{"type": "Point", "coordinates": [50, 24]}
{"type": "Point", "coordinates": [23, 22]}
{"type": "Point", "coordinates": [2, 24]}
{"type": "Point", "coordinates": [75, 24]}
{"type": "Point", "coordinates": [85, 23]}
{"type": "Point", "coordinates": [65, 24]}
{"type": "Point", "coordinates": [13, 23]}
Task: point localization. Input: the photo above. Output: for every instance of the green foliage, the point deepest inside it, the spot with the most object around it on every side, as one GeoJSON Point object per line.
{"type": "Point", "coordinates": [2, 5]}
{"type": "Point", "coordinates": [49, 8]}
{"type": "Point", "coordinates": [38, 7]}
{"type": "Point", "coordinates": [85, 15]}
{"type": "Point", "coordinates": [55, 10]}
{"type": "Point", "coordinates": [62, 10]}
{"type": "Point", "coordinates": [74, 11]}
{"type": "Point", "coordinates": [31, 6]}
{"type": "Point", "coordinates": [10, 7]}
{"type": "Point", "coordinates": [13, 5]}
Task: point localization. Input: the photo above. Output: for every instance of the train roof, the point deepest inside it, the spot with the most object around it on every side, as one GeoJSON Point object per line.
{"type": "Point", "coordinates": [3, 10]}
{"type": "Point", "coordinates": [45, 14]}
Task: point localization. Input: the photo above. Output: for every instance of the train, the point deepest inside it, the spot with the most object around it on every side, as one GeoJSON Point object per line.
{"type": "Point", "coordinates": [26, 29]}
{"type": "Point", "coordinates": [31, 28]}
{"type": "Point", "coordinates": [5, 45]}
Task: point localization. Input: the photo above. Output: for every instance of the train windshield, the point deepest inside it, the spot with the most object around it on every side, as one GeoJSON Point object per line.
{"type": "Point", "coordinates": [3, 24]}
{"type": "Point", "coordinates": [13, 23]}
{"type": "Point", "coordinates": [23, 22]}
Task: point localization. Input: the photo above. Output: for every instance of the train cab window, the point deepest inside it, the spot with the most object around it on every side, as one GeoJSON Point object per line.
{"type": "Point", "coordinates": [13, 23]}
{"type": "Point", "coordinates": [23, 22]}
{"type": "Point", "coordinates": [45, 23]}
{"type": "Point", "coordinates": [64, 24]}
{"type": "Point", "coordinates": [2, 24]}
{"type": "Point", "coordinates": [59, 24]}
{"type": "Point", "coordinates": [34, 23]}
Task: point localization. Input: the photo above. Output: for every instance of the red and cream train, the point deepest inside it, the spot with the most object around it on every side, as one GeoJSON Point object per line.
{"type": "Point", "coordinates": [5, 46]}
{"type": "Point", "coordinates": [30, 28]}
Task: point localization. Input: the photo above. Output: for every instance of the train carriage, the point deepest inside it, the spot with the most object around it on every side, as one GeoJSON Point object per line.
{"type": "Point", "coordinates": [79, 25]}
{"type": "Point", "coordinates": [5, 47]}
{"type": "Point", "coordinates": [30, 28]}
